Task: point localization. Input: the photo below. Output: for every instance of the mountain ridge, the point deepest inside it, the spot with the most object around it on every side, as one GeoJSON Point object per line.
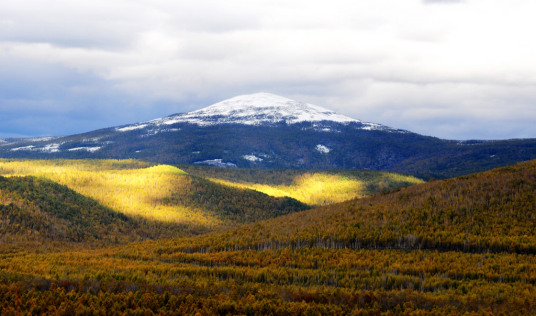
{"type": "Point", "coordinates": [265, 131]}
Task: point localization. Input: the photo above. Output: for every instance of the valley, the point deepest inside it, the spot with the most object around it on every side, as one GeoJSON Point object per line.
{"type": "Point", "coordinates": [313, 187]}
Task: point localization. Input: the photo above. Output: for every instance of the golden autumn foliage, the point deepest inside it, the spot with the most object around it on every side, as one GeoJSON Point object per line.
{"type": "Point", "coordinates": [464, 246]}
{"type": "Point", "coordinates": [120, 185]}
{"type": "Point", "coordinates": [489, 211]}
{"type": "Point", "coordinates": [270, 282]}
{"type": "Point", "coordinates": [160, 193]}
{"type": "Point", "coordinates": [310, 187]}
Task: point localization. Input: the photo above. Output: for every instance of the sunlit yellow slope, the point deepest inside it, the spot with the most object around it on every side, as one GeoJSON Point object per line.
{"type": "Point", "coordinates": [128, 186]}
{"type": "Point", "coordinates": [321, 188]}
{"type": "Point", "coordinates": [160, 192]}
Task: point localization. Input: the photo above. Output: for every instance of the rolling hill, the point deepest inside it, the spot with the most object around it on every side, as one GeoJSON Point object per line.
{"type": "Point", "coordinates": [493, 211]}
{"type": "Point", "coordinates": [266, 131]}
{"type": "Point", "coordinates": [457, 246]}
{"type": "Point", "coordinates": [34, 212]}
{"type": "Point", "coordinates": [156, 193]}
{"type": "Point", "coordinates": [165, 201]}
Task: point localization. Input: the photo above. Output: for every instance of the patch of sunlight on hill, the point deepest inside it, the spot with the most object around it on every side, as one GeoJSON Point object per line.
{"type": "Point", "coordinates": [130, 187]}
{"type": "Point", "coordinates": [323, 188]}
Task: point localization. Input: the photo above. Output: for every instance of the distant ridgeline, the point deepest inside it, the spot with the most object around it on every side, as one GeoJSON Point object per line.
{"type": "Point", "coordinates": [265, 131]}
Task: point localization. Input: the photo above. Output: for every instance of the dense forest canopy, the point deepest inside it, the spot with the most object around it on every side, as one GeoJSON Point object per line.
{"type": "Point", "coordinates": [460, 246]}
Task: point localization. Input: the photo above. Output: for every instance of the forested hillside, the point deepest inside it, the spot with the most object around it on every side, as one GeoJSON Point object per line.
{"type": "Point", "coordinates": [158, 193]}
{"type": "Point", "coordinates": [36, 212]}
{"type": "Point", "coordinates": [313, 187]}
{"type": "Point", "coordinates": [281, 146]}
{"type": "Point", "coordinates": [465, 246]}
{"type": "Point", "coordinates": [490, 211]}
{"type": "Point", "coordinates": [204, 196]}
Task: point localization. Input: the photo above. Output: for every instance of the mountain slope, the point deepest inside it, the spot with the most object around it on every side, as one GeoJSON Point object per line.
{"type": "Point", "coordinates": [265, 131]}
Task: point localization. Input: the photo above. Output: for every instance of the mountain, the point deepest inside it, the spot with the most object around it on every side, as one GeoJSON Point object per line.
{"type": "Point", "coordinates": [253, 109]}
{"type": "Point", "coordinates": [265, 131]}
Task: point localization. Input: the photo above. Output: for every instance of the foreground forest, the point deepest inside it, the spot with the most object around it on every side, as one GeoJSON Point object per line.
{"type": "Point", "coordinates": [460, 246]}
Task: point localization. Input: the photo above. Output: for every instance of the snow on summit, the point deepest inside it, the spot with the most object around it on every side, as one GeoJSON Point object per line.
{"type": "Point", "coordinates": [254, 109]}
{"type": "Point", "coordinates": [257, 109]}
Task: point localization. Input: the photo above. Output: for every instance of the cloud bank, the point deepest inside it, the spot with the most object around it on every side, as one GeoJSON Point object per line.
{"type": "Point", "coordinates": [454, 71]}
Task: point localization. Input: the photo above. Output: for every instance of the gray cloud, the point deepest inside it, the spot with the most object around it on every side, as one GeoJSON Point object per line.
{"type": "Point", "coordinates": [430, 69]}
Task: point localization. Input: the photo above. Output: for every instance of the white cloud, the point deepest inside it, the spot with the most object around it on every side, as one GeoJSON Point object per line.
{"type": "Point", "coordinates": [403, 63]}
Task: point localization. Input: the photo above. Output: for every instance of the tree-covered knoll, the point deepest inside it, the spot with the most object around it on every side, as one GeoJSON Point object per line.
{"type": "Point", "coordinates": [230, 203]}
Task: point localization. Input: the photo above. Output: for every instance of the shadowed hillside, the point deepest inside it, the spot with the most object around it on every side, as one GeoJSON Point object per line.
{"type": "Point", "coordinates": [37, 212]}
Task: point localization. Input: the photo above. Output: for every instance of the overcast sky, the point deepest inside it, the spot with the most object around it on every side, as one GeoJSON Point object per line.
{"type": "Point", "coordinates": [452, 69]}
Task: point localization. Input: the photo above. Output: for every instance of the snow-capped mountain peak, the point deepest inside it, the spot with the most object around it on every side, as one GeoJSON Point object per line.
{"type": "Point", "coordinates": [260, 108]}
{"type": "Point", "coordinates": [255, 109]}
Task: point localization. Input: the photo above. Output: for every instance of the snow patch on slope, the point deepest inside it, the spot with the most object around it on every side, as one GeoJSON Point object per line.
{"type": "Point", "coordinates": [252, 158]}
{"type": "Point", "coordinates": [216, 162]}
{"type": "Point", "coordinates": [50, 148]}
{"type": "Point", "coordinates": [39, 139]}
{"type": "Point", "coordinates": [88, 149]}
{"type": "Point", "coordinates": [30, 147]}
{"type": "Point", "coordinates": [322, 149]}
{"type": "Point", "coordinates": [131, 128]}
